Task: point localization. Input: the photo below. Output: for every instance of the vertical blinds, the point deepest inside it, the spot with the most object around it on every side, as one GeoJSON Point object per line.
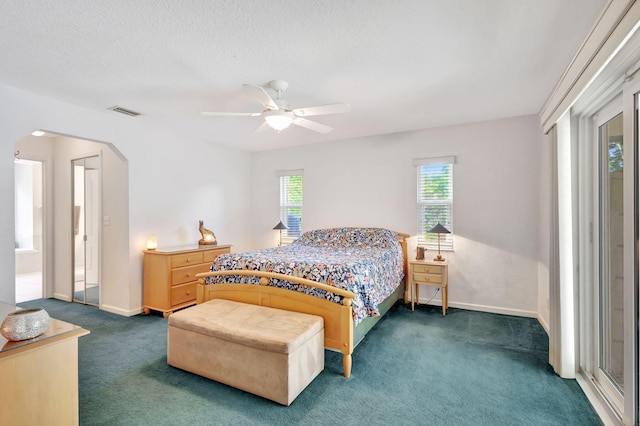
{"type": "Point", "coordinates": [435, 200]}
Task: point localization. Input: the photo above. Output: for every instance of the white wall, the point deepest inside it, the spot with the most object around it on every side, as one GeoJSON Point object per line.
{"type": "Point", "coordinates": [372, 182]}
{"type": "Point", "coordinates": [57, 154]}
{"type": "Point", "coordinates": [174, 181]}
{"type": "Point", "coordinates": [115, 237]}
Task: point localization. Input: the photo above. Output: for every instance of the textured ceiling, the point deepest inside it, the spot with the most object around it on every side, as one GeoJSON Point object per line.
{"type": "Point", "coordinates": [401, 65]}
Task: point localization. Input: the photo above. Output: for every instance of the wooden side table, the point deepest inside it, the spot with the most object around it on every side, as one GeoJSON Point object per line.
{"type": "Point", "coordinates": [432, 273]}
{"type": "Point", "coordinates": [40, 375]}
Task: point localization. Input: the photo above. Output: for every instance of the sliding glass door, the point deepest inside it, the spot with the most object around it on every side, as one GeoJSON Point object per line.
{"type": "Point", "coordinates": [602, 127]}
{"type": "Point", "coordinates": [609, 297]}
{"type": "Point", "coordinates": [609, 241]}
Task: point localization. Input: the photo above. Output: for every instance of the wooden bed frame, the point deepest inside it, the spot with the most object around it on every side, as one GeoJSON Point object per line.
{"type": "Point", "coordinates": [338, 318]}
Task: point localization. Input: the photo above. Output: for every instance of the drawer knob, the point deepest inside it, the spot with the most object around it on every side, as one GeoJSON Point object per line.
{"type": "Point", "coordinates": [188, 292]}
{"type": "Point", "coordinates": [188, 275]}
{"type": "Point", "coordinates": [188, 259]}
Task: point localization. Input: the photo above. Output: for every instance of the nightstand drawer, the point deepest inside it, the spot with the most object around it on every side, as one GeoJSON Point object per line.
{"type": "Point", "coordinates": [184, 275]}
{"type": "Point", "coordinates": [427, 278]}
{"type": "Point", "coordinates": [428, 269]}
{"type": "Point", "coordinates": [183, 293]}
{"type": "Point", "coordinates": [186, 259]}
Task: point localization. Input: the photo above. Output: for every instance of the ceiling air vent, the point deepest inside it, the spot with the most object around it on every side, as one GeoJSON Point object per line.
{"type": "Point", "coordinates": [125, 111]}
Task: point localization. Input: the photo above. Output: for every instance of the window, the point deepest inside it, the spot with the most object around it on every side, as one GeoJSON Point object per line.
{"type": "Point", "coordinates": [291, 203]}
{"type": "Point", "coordinates": [435, 200]}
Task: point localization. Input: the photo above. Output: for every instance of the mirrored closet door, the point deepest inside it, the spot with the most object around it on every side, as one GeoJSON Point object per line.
{"type": "Point", "coordinates": [86, 229]}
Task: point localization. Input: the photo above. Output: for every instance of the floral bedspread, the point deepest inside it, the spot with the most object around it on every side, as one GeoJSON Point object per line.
{"type": "Point", "coordinates": [365, 261]}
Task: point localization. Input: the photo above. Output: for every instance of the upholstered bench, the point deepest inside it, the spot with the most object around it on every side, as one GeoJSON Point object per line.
{"type": "Point", "coordinates": [269, 352]}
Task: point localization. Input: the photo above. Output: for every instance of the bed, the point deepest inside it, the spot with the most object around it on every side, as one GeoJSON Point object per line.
{"type": "Point", "coordinates": [349, 276]}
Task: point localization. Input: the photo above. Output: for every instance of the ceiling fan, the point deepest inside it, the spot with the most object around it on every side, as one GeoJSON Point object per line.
{"type": "Point", "coordinates": [277, 113]}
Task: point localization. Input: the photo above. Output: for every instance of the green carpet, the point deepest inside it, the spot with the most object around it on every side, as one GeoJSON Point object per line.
{"type": "Point", "coordinates": [414, 368]}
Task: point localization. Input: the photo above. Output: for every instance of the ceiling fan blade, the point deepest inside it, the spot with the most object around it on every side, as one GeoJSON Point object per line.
{"type": "Point", "coordinates": [262, 96]}
{"type": "Point", "coordinates": [322, 110]}
{"type": "Point", "coordinates": [231, 114]}
{"type": "Point", "coordinates": [263, 127]}
{"type": "Point", "coordinates": [311, 125]}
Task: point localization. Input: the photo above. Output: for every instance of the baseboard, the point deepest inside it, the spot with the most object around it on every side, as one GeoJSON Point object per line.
{"type": "Point", "coordinates": [63, 297]}
{"type": "Point", "coordinates": [107, 308]}
{"type": "Point", "coordinates": [120, 311]}
{"type": "Point", "coordinates": [543, 323]}
{"type": "Point", "coordinates": [483, 308]}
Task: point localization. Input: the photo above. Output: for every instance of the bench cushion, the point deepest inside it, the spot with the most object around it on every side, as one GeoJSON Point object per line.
{"type": "Point", "coordinates": [273, 330]}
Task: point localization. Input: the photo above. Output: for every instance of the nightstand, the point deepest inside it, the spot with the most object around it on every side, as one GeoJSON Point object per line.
{"type": "Point", "coordinates": [432, 273]}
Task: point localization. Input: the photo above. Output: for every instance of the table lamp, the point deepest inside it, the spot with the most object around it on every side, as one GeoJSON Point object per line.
{"type": "Point", "coordinates": [280, 226]}
{"type": "Point", "coordinates": [439, 229]}
{"type": "Point", "coordinates": [152, 242]}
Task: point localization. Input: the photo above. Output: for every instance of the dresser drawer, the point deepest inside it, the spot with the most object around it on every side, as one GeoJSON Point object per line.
{"type": "Point", "coordinates": [427, 278]}
{"type": "Point", "coordinates": [178, 260]}
{"type": "Point", "coordinates": [170, 281]}
{"type": "Point", "coordinates": [183, 293]}
{"type": "Point", "coordinates": [188, 273]}
{"type": "Point", "coordinates": [209, 256]}
{"type": "Point", "coordinates": [428, 269]}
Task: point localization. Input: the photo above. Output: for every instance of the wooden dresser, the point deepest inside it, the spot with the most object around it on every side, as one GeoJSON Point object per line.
{"type": "Point", "coordinates": [169, 275]}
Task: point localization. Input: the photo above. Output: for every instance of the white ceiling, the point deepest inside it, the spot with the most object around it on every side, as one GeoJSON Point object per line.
{"type": "Point", "coordinates": [401, 64]}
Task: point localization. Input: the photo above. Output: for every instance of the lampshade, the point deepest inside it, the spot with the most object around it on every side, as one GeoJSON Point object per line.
{"type": "Point", "coordinates": [439, 229]}
{"type": "Point", "coordinates": [278, 120]}
{"type": "Point", "coordinates": [280, 225]}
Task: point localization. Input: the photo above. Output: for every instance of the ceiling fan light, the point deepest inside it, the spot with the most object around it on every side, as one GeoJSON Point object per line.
{"type": "Point", "coordinates": [278, 120]}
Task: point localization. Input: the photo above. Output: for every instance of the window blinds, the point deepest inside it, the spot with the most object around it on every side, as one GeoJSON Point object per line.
{"type": "Point", "coordinates": [435, 200]}
{"type": "Point", "coordinates": [291, 183]}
